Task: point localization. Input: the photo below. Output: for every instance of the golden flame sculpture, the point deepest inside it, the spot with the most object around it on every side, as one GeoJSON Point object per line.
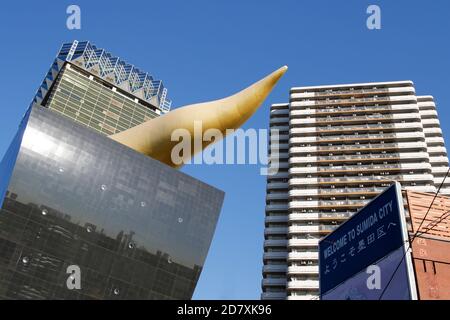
{"type": "Point", "coordinates": [154, 137]}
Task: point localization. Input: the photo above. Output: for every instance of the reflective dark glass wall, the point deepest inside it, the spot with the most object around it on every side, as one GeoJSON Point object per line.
{"type": "Point", "coordinates": [136, 228]}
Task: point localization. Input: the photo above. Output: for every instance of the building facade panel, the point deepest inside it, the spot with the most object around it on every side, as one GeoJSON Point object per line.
{"type": "Point", "coordinates": [136, 228]}
{"type": "Point", "coordinates": [431, 246]}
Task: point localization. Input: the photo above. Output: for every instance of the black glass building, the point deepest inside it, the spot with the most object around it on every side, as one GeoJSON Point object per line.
{"type": "Point", "coordinates": [70, 196]}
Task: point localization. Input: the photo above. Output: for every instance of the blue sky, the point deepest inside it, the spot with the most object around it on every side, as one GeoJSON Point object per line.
{"type": "Point", "coordinates": [205, 50]}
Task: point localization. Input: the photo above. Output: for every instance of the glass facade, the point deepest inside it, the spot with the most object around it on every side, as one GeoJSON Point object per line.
{"type": "Point", "coordinates": [88, 101]}
{"type": "Point", "coordinates": [99, 90]}
{"type": "Point", "coordinates": [136, 228]}
{"type": "Point", "coordinates": [9, 159]}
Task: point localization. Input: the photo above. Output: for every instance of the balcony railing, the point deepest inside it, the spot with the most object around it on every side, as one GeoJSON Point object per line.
{"type": "Point", "coordinates": [359, 127]}
{"type": "Point", "coordinates": [356, 118]}
{"type": "Point", "coordinates": [357, 91]}
{"type": "Point", "coordinates": [327, 227]}
{"type": "Point", "coordinates": [353, 101]}
{"type": "Point", "coordinates": [361, 178]}
{"type": "Point", "coordinates": [358, 136]}
{"type": "Point", "coordinates": [351, 190]}
{"type": "Point", "coordinates": [359, 146]}
{"type": "Point", "coordinates": [353, 108]}
{"type": "Point", "coordinates": [361, 157]}
{"type": "Point", "coordinates": [336, 215]}
{"type": "Point", "coordinates": [359, 167]}
{"type": "Point", "coordinates": [342, 202]}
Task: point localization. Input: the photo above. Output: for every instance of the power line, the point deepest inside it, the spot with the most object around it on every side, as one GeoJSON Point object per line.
{"type": "Point", "coordinates": [435, 222]}
{"type": "Point", "coordinates": [435, 196]}
{"type": "Point", "coordinates": [413, 237]}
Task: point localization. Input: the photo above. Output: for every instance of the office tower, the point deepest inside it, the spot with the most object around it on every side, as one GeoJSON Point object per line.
{"type": "Point", "coordinates": [97, 89]}
{"type": "Point", "coordinates": [71, 197]}
{"type": "Point", "coordinates": [339, 146]}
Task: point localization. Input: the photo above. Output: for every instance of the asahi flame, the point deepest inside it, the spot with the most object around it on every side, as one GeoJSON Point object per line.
{"type": "Point", "coordinates": [153, 137]}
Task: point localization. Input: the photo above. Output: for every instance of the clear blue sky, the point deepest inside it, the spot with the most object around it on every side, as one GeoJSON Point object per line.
{"type": "Point", "coordinates": [209, 49]}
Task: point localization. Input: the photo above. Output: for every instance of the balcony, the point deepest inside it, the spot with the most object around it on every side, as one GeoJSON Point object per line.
{"type": "Point", "coordinates": [277, 185]}
{"type": "Point", "coordinates": [361, 158]}
{"type": "Point", "coordinates": [278, 157]}
{"type": "Point", "coordinates": [320, 120]}
{"type": "Point", "coordinates": [426, 177]}
{"type": "Point", "coordinates": [361, 109]}
{"type": "Point", "coordinates": [273, 282]}
{"type": "Point", "coordinates": [347, 158]}
{"type": "Point", "coordinates": [421, 157]}
{"type": "Point", "coordinates": [364, 127]}
{"type": "Point", "coordinates": [306, 229]}
{"type": "Point", "coordinates": [368, 146]}
{"type": "Point", "coordinates": [430, 123]}
{"type": "Point", "coordinates": [276, 207]}
{"type": "Point", "coordinates": [279, 146]}
{"type": "Point", "coordinates": [307, 255]}
{"type": "Point", "coordinates": [291, 270]}
{"type": "Point", "coordinates": [277, 112]}
{"type": "Point", "coordinates": [303, 284]}
{"type": "Point", "coordinates": [335, 216]}
{"type": "Point", "coordinates": [440, 170]}
{"type": "Point", "coordinates": [373, 167]}
{"type": "Point", "coordinates": [370, 88]}
{"type": "Point", "coordinates": [350, 191]}
{"type": "Point", "coordinates": [428, 113]}
{"type": "Point", "coordinates": [360, 168]}
{"type": "Point", "coordinates": [437, 151]}
{"type": "Point", "coordinates": [275, 255]}
{"type": "Point", "coordinates": [352, 101]}
{"type": "Point", "coordinates": [275, 243]}
{"type": "Point", "coordinates": [435, 141]}
{"type": "Point", "coordinates": [275, 231]}
{"type": "Point", "coordinates": [293, 217]}
{"type": "Point", "coordinates": [426, 104]}
{"type": "Point", "coordinates": [331, 92]}
{"type": "Point", "coordinates": [326, 204]}
{"type": "Point", "coordinates": [303, 242]}
{"type": "Point", "coordinates": [276, 219]}
{"type": "Point", "coordinates": [296, 141]}
{"type": "Point", "coordinates": [409, 177]}
{"type": "Point", "coordinates": [279, 174]}
{"type": "Point", "coordinates": [277, 196]}
{"type": "Point", "coordinates": [280, 127]}
{"type": "Point", "coordinates": [438, 160]}
{"type": "Point", "coordinates": [303, 297]}
{"type": "Point", "coordinates": [376, 147]}
{"type": "Point", "coordinates": [436, 131]}
{"type": "Point", "coordinates": [273, 295]}
{"type": "Point", "coordinates": [274, 268]}
{"type": "Point", "coordinates": [275, 120]}
{"type": "Point", "coordinates": [364, 119]}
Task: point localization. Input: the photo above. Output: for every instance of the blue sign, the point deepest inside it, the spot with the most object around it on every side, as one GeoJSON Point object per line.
{"type": "Point", "coordinates": [369, 235]}
{"type": "Point", "coordinates": [355, 288]}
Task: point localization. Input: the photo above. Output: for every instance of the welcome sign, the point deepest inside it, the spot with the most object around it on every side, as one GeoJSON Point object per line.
{"type": "Point", "coordinates": [372, 233]}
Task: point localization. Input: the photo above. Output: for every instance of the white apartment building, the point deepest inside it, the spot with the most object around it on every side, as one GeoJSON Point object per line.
{"type": "Point", "coordinates": [340, 146]}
